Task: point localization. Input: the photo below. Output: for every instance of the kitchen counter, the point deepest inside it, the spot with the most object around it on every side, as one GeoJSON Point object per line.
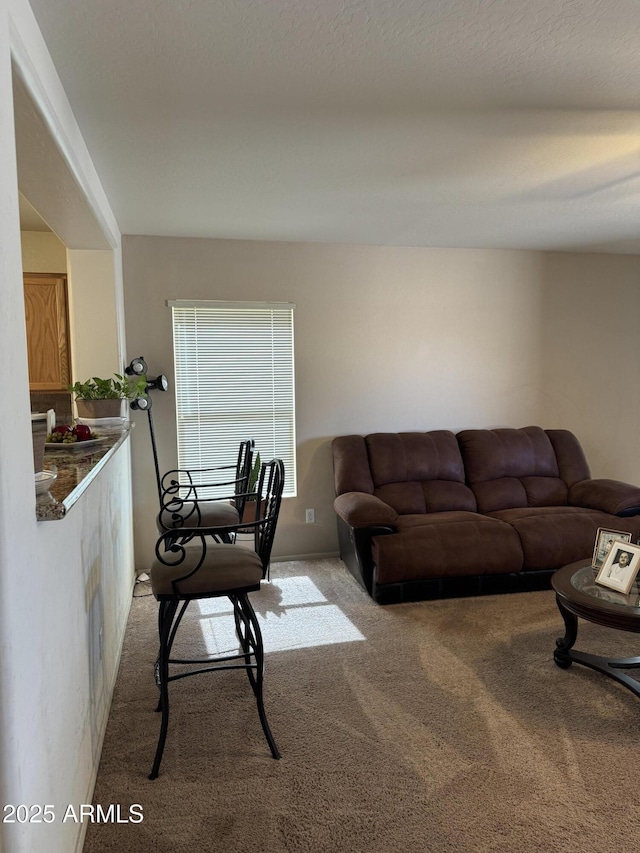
{"type": "Point", "coordinates": [76, 467]}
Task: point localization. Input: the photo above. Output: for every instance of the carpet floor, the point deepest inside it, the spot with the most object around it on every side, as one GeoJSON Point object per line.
{"type": "Point", "coordinates": [422, 728]}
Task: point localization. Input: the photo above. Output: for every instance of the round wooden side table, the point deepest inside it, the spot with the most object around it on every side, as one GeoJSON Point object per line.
{"type": "Point", "coordinates": [578, 595]}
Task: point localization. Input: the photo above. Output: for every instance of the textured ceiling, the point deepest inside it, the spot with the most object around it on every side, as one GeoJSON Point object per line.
{"type": "Point", "coordinates": [496, 123]}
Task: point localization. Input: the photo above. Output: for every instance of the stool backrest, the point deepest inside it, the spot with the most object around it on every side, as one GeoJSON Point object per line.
{"type": "Point", "coordinates": [268, 497]}
{"type": "Point", "coordinates": [269, 491]}
{"type": "Point", "coordinates": [182, 489]}
{"type": "Point", "coordinates": [244, 466]}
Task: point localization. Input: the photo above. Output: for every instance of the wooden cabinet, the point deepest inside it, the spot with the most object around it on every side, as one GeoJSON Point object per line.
{"type": "Point", "coordinates": [46, 308]}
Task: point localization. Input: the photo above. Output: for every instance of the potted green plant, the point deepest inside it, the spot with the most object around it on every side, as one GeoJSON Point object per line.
{"type": "Point", "coordinates": [255, 473]}
{"type": "Point", "coordinates": [249, 513]}
{"type": "Point", "coordinates": [102, 398]}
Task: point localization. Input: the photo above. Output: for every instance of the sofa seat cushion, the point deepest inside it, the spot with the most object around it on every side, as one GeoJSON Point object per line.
{"type": "Point", "coordinates": [446, 544]}
{"type": "Point", "coordinates": [551, 537]}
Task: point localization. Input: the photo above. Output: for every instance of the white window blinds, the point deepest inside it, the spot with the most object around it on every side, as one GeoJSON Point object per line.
{"type": "Point", "coordinates": [234, 380]}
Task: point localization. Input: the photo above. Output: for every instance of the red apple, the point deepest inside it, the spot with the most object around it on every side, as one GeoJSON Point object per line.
{"type": "Point", "coordinates": [63, 428]}
{"type": "Point", "coordinates": [81, 432]}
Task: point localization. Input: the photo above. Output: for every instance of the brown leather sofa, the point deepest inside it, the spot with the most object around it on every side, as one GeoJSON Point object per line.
{"type": "Point", "coordinates": [431, 514]}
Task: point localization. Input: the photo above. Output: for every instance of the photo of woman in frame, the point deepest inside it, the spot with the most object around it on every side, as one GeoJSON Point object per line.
{"type": "Point", "coordinates": [620, 567]}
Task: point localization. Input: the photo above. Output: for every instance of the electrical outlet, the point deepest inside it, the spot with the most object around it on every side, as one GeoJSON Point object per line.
{"type": "Point", "coordinates": [310, 516]}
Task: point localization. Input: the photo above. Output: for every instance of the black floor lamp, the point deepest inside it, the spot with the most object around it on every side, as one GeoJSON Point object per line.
{"type": "Point", "coordinates": [143, 403]}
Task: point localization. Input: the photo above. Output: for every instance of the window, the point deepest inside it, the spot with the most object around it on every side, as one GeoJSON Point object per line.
{"type": "Point", "coordinates": [234, 380]}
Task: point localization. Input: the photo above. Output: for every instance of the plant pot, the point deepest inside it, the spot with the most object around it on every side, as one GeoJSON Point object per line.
{"type": "Point", "coordinates": [93, 409]}
{"type": "Point", "coordinates": [249, 513]}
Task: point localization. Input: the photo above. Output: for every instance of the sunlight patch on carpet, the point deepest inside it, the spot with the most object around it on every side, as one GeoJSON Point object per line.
{"type": "Point", "coordinates": [292, 612]}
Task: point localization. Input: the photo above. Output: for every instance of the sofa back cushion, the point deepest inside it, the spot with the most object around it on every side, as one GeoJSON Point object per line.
{"type": "Point", "coordinates": [414, 472]}
{"type": "Point", "coordinates": [508, 468]}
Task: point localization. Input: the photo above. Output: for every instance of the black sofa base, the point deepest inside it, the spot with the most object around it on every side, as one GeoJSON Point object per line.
{"type": "Point", "coordinates": [425, 590]}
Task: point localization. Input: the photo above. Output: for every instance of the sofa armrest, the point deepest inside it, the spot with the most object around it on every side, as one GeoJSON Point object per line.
{"type": "Point", "coordinates": [358, 509]}
{"type": "Point", "coordinates": [612, 496]}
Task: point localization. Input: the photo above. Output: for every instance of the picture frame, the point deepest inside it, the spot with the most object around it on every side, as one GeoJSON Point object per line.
{"type": "Point", "coordinates": [620, 567]}
{"type": "Point", "coordinates": [604, 540]}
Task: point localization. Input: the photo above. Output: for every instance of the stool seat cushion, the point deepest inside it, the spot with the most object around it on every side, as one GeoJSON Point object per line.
{"type": "Point", "coordinates": [225, 568]}
{"type": "Point", "coordinates": [212, 514]}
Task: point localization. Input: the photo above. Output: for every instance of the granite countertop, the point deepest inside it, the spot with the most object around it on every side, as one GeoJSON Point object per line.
{"type": "Point", "coordinates": [76, 467]}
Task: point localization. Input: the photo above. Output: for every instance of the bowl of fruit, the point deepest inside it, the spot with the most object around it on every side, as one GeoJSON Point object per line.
{"type": "Point", "coordinates": [66, 437]}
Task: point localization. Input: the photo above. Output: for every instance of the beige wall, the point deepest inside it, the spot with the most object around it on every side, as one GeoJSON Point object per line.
{"type": "Point", "coordinates": [43, 252]}
{"type": "Point", "coordinates": [385, 339]}
{"type": "Point", "coordinates": [93, 315]}
{"type": "Point", "coordinates": [591, 367]}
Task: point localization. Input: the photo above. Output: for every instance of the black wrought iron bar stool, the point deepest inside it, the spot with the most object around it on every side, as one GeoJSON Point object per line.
{"type": "Point", "coordinates": [190, 564]}
{"type": "Point", "coordinates": [184, 494]}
